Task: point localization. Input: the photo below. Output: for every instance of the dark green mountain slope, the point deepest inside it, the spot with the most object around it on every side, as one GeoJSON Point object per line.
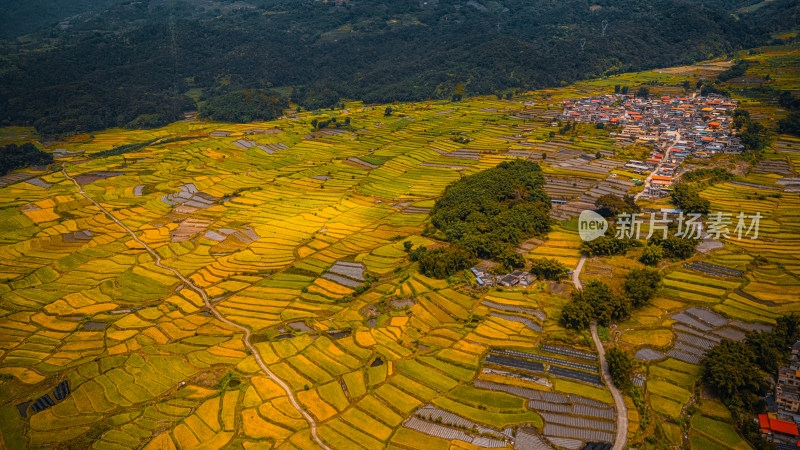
{"type": "Point", "coordinates": [140, 57]}
{"type": "Point", "coordinates": [23, 17]}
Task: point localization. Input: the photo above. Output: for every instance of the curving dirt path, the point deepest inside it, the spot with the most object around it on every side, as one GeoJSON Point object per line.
{"type": "Point", "coordinates": [187, 282]}
{"type": "Point", "coordinates": [621, 437]}
{"type": "Point", "coordinates": [576, 274]}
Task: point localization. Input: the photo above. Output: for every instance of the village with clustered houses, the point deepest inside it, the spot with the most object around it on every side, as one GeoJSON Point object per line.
{"type": "Point", "coordinates": [676, 127]}
{"type": "Point", "coordinates": [508, 224]}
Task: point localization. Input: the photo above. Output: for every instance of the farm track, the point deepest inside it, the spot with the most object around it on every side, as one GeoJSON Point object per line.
{"type": "Point", "coordinates": [312, 423]}
{"type": "Point", "coordinates": [576, 274]}
{"type": "Point", "coordinates": [621, 437]}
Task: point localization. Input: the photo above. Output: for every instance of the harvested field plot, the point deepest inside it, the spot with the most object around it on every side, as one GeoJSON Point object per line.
{"type": "Point", "coordinates": [227, 285]}
{"type": "Point", "coordinates": [697, 330]}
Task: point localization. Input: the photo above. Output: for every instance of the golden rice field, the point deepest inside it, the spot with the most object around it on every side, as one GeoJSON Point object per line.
{"type": "Point", "coordinates": [280, 230]}
{"type": "Point", "coordinates": [261, 232]}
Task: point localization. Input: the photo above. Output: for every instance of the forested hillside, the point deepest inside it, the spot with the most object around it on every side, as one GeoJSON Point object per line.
{"type": "Point", "coordinates": [25, 17]}
{"type": "Point", "coordinates": [370, 50]}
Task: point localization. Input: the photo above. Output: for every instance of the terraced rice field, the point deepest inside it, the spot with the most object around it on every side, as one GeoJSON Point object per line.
{"type": "Point", "coordinates": [561, 245]}
{"type": "Point", "coordinates": [297, 234]}
{"type": "Point", "coordinates": [280, 230]}
{"type": "Point", "coordinates": [716, 296]}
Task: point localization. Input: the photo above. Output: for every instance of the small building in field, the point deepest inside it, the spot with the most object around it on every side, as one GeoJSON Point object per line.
{"type": "Point", "coordinates": [509, 281]}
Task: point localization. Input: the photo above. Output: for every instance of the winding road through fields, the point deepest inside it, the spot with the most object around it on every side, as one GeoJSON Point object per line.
{"type": "Point", "coordinates": [312, 423]}
{"type": "Point", "coordinates": [621, 437]}
{"type": "Point", "coordinates": [576, 274]}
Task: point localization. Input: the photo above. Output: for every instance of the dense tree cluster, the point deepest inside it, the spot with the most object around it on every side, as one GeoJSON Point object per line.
{"type": "Point", "coordinates": [315, 97]}
{"type": "Point", "coordinates": [734, 371]}
{"type": "Point", "coordinates": [740, 118]}
{"type": "Point", "coordinates": [442, 262]}
{"type": "Point", "coordinates": [789, 101]}
{"type": "Point", "coordinates": [576, 315]}
{"type": "Point", "coordinates": [392, 51]}
{"type": "Point", "coordinates": [641, 285]}
{"type": "Point", "coordinates": [714, 87]}
{"type": "Point", "coordinates": [13, 157]}
{"type": "Point", "coordinates": [620, 366]}
{"type": "Point", "coordinates": [651, 255]}
{"type": "Point", "coordinates": [245, 106]}
{"type": "Point", "coordinates": [686, 198]}
{"type": "Point", "coordinates": [730, 369]}
{"type": "Point", "coordinates": [332, 122]}
{"type": "Point", "coordinates": [610, 205]}
{"type": "Point", "coordinates": [755, 136]}
{"type": "Point", "coordinates": [607, 245]}
{"type": "Point", "coordinates": [738, 69]}
{"type": "Point", "coordinates": [715, 175]}
{"type": "Point", "coordinates": [487, 214]}
{"type": "Point", "coordinates": [25, 17]}
{"type": "Point", "coordinates": [598, 302]}
{"type": "Point", "coordinates": [57, 110]}
{"type": "Point", "coordinates": [673, 246]}
{"type": "Point", "coordinates": [549, 269]}
{"type": "Point", "coordinates": [791, 123]}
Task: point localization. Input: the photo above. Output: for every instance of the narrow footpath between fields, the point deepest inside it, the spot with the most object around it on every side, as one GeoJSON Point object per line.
{"type": "Point", "coordinates": [621, 437]}
{"type": "Point", "coordinates": [211, 308]}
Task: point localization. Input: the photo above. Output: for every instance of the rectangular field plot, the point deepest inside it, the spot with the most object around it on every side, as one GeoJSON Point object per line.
{"type": "Point", "coordinates": [549, 359]}
{"type": "Point", "coordinates": [515, 363]}
{"type": "Point", "coordinates": [575, 375]}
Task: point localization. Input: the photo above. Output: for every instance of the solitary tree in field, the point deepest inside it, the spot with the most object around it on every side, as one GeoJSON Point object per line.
{"type": "Point", "coordinates": [641, 285]}
{"type": "Point", "coordinates": [651, 255]}
{"type": "Point", "coordinates": [620, 365]}
{"type": "Point", "coordinates": [549, 269]}
{"type": "Point", "coordinates": [388, 111]}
